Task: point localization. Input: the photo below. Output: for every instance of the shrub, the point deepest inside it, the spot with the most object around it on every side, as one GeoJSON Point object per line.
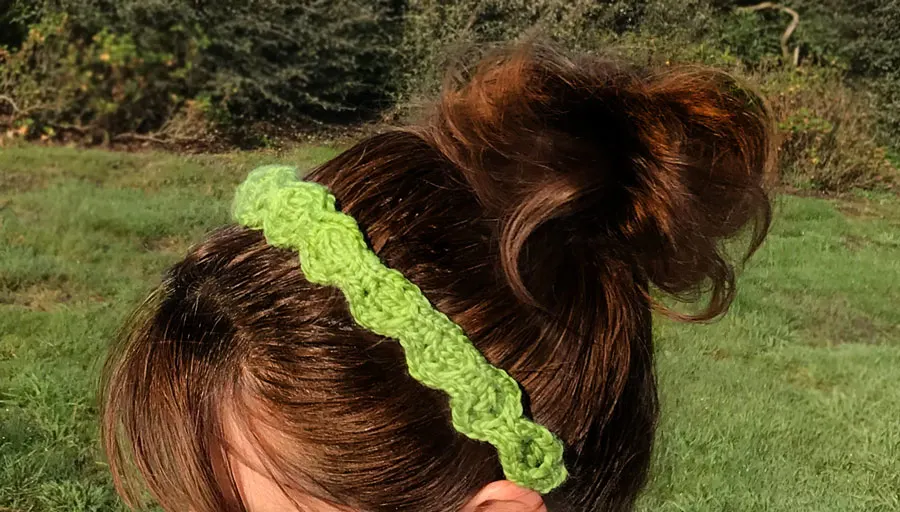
{"type": "Point", "coordinates": [131, 65]}
{"type": "Point", "coordinates": [285, 61]}
{"type": "Point", "coordinates": [873, 50]}
{"type": "Point", "coordinates": [753, 36]}
{"type": "Point", "coordinates": [55, 81]}
{"type": "Point", "coordinates": [827, 130]}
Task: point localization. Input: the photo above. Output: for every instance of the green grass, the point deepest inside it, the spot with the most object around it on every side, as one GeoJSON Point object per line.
{"type": "Point", "coordinates": [789, 403]}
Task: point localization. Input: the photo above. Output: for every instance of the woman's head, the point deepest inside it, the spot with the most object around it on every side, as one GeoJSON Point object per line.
{"type": "Point", "coordinates": [537, 207]}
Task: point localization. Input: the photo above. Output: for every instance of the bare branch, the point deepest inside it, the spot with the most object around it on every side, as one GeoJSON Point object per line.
{"type": "Point", "coordinates": [136, 137]}
{"type": "Point", "coordinates": [476, 13]}
{"type": "Point", "coordinates": [68, 127]}
{"type": "Point", "coordinates": [155, 139]}
{"type": "Point", "coordinates": [11, 103]}
{"type": "Point", "coordinates": [786, 36]}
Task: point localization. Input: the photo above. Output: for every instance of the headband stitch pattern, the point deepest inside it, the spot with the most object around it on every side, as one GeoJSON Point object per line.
{"type": "Point", "coordinates": [485, 401]}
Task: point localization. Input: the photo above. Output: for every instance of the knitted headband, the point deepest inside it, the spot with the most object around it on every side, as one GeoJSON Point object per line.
{"type": "Point", "coordinates": [485, 402]}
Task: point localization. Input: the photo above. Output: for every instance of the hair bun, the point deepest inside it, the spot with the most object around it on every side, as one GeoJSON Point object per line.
{"type": "Point", "coordinates": [585, 160]}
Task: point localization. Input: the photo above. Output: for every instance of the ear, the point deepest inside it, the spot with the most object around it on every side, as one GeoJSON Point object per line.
{"type": "Point", "coordinates": [505, 496]}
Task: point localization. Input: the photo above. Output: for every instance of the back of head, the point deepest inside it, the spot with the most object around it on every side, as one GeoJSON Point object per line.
{"type": "Point", "coordinates": [537, 207]}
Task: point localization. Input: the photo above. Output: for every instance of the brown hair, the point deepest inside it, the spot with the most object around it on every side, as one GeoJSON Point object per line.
{"type": "Point", "coordinates": [537, 207]}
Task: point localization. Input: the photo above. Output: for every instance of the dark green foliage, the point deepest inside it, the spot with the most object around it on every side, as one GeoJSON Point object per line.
{"type": "Point", "coordinates": [13, 23]}
{"type": "Point", "coordinates": [192, 69]}
{"type": "Point", "coordinates": [282, 60]}
{"type": "Point", "coordinates": [874, 52]}
{"type": "Point", "coordinates": [263, 60]}
{"type": "Point", "coordinates": [860, 37]}
{"type": "Point", "coordinates": [865, 34]}
{"type": "Point", "coordinates": [753, 36]}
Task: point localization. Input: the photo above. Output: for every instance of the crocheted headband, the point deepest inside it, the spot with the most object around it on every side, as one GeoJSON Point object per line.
{"type": "Point", "coordinates": [485, 402]}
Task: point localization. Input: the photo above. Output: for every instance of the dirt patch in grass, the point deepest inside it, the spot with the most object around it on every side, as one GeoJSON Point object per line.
{"type": "Point", "coordinates": [869, 209]}
{"type": "Point", "coordinates": [833, 321]}
{"type": "Point", "coordinates": [719, 354]}
{"type": "Point", "coordinates": [802, 377]}
{"type": "Point", "coordinates": [173, 245]}
{"type": "Point", "coordinates": [18, 182]}
{"type": "Point", "coordinates": [848, 327]}
{"type": "Point", "coordinates": [859, 329]}
{"type": "Point", "coordinates": [854, 209]}
{"type": "Point", "coordinates": [37, 297]}
{"type": "Point", "coordinates": [855, 242]}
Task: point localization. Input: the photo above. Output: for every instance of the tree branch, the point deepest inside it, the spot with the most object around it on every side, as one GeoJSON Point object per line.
{"type": "Point", "coordinates": [126, 137]}
{"type": "Point", "coordinates": [11, 103]}
{"type": "Point", "coordinates": [786, 36]}
{"type": "Point", "coordinates": [476, 12]}
{"type": "Point", "coordinates": [68, 127]}
{"type": "Point", "coordinates": [151, 138]}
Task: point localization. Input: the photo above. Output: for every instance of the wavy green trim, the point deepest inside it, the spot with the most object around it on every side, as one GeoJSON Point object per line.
{"type": "Point", "coordinates": [486, 403]}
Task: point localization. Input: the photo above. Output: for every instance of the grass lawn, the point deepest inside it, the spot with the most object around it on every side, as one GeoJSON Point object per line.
{"type": "Point", "coordinates": [792, 402]}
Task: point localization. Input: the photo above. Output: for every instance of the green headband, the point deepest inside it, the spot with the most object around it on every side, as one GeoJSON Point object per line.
{"type": "Point", "coordinates": [486, 403]}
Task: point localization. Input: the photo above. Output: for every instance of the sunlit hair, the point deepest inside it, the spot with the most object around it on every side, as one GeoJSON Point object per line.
{"type": "Point", "coordinates": [539, 207]}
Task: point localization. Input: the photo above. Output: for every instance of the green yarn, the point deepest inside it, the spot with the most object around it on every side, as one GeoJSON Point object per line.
{"type": "Point", "coordinates": [485, 402]}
